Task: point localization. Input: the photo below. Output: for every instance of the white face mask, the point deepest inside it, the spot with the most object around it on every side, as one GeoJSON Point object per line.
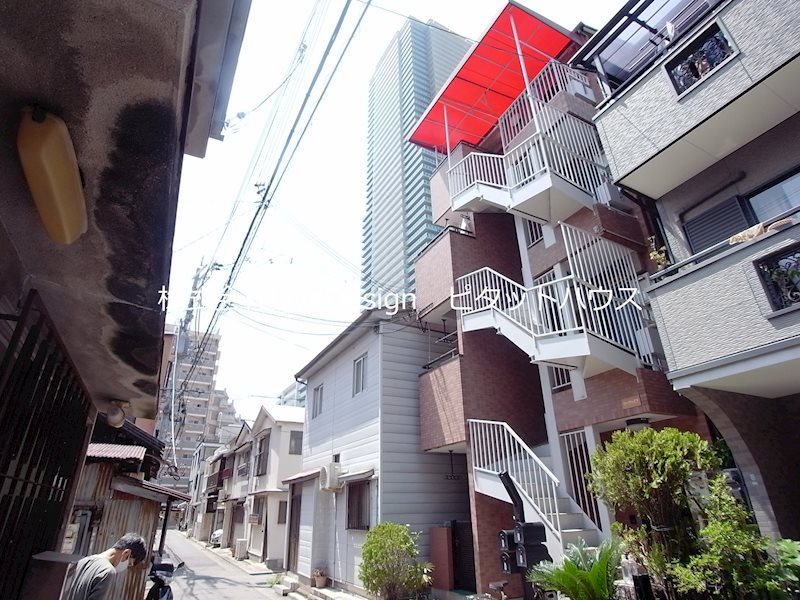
{"type": "Point", "coordinates": [122, 566]}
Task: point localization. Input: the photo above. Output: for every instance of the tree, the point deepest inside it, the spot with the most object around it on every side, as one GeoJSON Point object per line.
{"type": "Point", "coordinates": [733, 562]}
{"type": "Point", "coordinates": [649, 471]}
{"type": "Point", "coordinates": [388, 562]}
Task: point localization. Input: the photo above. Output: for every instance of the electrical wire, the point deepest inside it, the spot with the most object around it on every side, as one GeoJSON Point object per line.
{"type": "Point", "coordinates": [266, 194]}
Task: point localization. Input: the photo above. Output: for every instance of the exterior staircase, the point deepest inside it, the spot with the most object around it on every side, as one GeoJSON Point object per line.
{"type": "Point", "coordinates": [496, 448]}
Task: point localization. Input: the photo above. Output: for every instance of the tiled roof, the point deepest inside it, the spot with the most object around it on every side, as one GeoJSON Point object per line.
{"type": "Point", "coordinates": [116, 451]}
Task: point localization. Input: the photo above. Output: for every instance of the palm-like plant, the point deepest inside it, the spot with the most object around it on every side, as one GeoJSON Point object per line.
{"type": "Point", "coordinates": [584, 574]}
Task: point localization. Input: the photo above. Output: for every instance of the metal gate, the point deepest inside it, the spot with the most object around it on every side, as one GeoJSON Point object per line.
{"type": "Point", "coordinates": [44, 409]}
{"type": "Point", "coordinates": [463, 557]}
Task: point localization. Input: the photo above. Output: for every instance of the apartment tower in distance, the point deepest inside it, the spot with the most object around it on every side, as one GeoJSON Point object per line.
{"type": "Point", "coordinates": [202, 413]}
{"type": "Point", "coordinates": [398, 222]}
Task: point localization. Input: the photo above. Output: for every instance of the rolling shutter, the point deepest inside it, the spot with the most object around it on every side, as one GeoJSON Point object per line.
{"type": "Point", "coordinates": [715, 225]}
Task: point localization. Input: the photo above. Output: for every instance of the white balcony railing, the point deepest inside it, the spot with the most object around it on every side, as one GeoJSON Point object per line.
{"type": "Point", "coordinates": [579, 464]}
{"type": "Point", "coordinates": [496, 448]}
{"type": "Point", "coordinates": [560, 143]}
{"type": "Point", "coordinates": [562, 306]}
{"type": "Point", "coordinates": [554, 78]}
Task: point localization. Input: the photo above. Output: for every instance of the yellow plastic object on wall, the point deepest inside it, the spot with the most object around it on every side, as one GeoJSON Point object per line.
{"type": "Point", "coordinates": [51, 169]}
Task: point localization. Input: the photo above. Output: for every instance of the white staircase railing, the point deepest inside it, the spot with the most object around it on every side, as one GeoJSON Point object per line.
{"type": "Point", "coordinates": [557, 307]}
{"type": "Point", "coordinates": [562, 144]}
{"type": "Point", "coordinates": [496, 448]}
{"type": "Point", "coordinates": [554, 78]}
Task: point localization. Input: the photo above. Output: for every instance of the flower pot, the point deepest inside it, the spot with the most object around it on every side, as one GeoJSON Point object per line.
{"type": "Point", "coordinates": [320, 581]}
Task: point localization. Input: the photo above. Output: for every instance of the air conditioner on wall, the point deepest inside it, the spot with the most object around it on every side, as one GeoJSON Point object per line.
{"type": "Point", "coordinates": [329, 478]}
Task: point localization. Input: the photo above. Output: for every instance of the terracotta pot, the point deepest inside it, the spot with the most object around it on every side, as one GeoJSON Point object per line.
{"type": "Point", "coordinates": [320, 581]}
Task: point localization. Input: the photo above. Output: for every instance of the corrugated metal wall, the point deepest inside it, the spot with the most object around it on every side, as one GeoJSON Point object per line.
{"type": "Point", "coordinates": [118, 514]}
{"type": "Point", "coordinates": [122, 514]}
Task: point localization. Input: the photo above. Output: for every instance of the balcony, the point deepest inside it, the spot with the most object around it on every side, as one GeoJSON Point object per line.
{"type": "Point", "coordinates": [711, 78]}
{"type": "Point", "coordinates": [731, 322]}
{"type": "Point", "coordinates": [556, 169]}
{"type": "Point", "coordinates": [441, 402]}
{"type": "Point", "coordinates": [436, 268]}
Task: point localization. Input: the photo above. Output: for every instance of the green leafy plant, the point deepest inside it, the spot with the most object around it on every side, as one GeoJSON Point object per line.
{"type": "Point", "coordinates": [389, 565]}
{"type": "Point", "coordinates": [658, 254]}
{"type": "Point", "coordinates": [648, 472]}
{"type": "Point", "coordinates": [584, 574]}
{"type": "Point", "coordinates": [733, 562]}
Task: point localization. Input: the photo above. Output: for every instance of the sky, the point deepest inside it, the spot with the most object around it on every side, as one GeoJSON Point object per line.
{"type": "Point", "coordinates": [300, 285]}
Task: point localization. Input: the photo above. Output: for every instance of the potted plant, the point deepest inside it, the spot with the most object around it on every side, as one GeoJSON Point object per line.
{"type": "Point", "coordinates": [320, 577]}
{"type": "Point", "coordinates": [658, 255]}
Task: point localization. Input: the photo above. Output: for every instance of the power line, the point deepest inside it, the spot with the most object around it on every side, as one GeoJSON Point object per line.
{"type": "Point", "coordinates": [267, 193]}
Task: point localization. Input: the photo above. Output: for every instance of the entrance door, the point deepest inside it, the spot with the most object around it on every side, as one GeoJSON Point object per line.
{"type": "Point", "coordinates": [237, 525]}
{"type": "Point", "coordinates": [463, 557]}
{"type": "Point", "coordinates": [294, 528]}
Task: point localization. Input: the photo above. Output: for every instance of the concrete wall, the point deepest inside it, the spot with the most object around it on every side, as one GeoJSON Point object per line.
{"type": "Point", "coordinates": [649, 116]}
{"type": "Point", "coordinates": [720, 308]}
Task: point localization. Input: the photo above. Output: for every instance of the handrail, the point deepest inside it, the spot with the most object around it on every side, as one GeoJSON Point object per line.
{"type": "Point", "coordinates": [549, 308]}
{"type": "Point", "coordinates": [497, 448]}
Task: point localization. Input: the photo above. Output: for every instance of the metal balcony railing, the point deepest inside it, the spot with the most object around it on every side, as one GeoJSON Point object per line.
{"type": "Point", "coordinates": [579, 464]}
{"type": "Point", "coordinates": [496, 448]}
{"type": "Point", "coordinates": [554, 78]}
{"type": "Point", "coordinates": [560, 144]}
{"type": "Point", "coordinates": [562, 306]}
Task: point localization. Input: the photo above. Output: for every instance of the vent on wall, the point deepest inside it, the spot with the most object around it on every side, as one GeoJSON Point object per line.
{"type": "Point", "coordinates": [719, 223]}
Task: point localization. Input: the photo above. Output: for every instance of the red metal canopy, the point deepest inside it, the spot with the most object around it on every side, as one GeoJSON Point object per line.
{"type": "Point", "coordinates": [490, 78]}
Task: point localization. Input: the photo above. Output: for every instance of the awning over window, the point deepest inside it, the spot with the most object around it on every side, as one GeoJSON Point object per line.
{"type": "Point", "coordinates": [303, 476]}
{"type": "Point", "coordinates": [490, 78]}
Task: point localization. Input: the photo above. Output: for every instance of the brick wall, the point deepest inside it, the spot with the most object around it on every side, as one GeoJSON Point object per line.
{"type": "Point", "coordinates": [610, 223]}
{"type": "Point", "coordinates": [495, 247]}
{"type": "Point", "coordinates": [617, 395]}
{"type": "Point", "coordinates": [441, 406]}
{"type": "Point", "coordinates": [489, 516]}
{"type": "Point", "coordinates": [442, 557]}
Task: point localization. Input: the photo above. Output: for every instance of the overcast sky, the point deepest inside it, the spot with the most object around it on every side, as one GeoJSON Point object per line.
{"type": "Point", "coordinates": [300, 286]}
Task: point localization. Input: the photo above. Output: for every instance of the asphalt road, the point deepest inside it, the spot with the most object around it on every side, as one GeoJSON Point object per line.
{"type": "Point", "coordinates": [205, 576]}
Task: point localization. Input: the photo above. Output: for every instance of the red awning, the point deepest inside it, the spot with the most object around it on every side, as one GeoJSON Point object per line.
{"type": "Point", "coordinates": [490, 78]}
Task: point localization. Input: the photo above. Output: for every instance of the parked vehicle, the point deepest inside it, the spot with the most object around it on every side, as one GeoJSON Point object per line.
{"type": "Point", "coordinates": [216, 538]}
{"type": "Point", "coordinates": [161, 575]}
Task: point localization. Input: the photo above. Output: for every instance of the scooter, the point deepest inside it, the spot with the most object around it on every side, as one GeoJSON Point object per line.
{"type": "Point", "coordinates": [161, 575]}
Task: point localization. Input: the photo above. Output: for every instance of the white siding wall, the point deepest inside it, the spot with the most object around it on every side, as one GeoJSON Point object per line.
{"type": "Point", "coordinates": [377, 429]}
{"type": "Point", "coordinates": [348, 425]}
{"type": "Point", "coordinates": [415, 489]}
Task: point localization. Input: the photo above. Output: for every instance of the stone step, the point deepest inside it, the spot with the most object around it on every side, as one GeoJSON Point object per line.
{"type": "Point", "coordinates": [290, 583]}
{"type": "Point", "coordinates": [296, 596]}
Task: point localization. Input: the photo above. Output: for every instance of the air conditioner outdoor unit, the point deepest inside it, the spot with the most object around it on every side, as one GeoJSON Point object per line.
{"type": "Point", "coordinates": [240, 549]}
{"type": "Point", "coordinates": [329, 478]}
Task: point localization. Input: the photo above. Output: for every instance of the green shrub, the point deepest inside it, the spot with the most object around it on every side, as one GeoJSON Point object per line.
{"type": "Point", "coordinates": [388, 562]}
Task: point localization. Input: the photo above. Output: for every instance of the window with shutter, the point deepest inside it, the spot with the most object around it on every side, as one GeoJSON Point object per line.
{"type": "Point", "coordinates": [716, 224]}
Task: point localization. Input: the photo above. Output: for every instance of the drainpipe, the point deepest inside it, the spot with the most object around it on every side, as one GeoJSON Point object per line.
{"type": "Point", "coordinates": [164, 529]}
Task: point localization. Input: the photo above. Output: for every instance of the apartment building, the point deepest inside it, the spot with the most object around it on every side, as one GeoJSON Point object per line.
{"type": "Point", "coordinates": [553, 343]}
{"type": "Point", "coordinates": [293, 395]}
{"type": "Point", "coordinates": [202, 413]}
{"type": "Point", "coordinates": [699, 120]}
{"type": "Point", "coordinates": [397, 223]}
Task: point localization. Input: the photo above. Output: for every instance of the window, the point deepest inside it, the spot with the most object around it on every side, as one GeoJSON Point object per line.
{"type": "Point", "coordinates": [777, 198]}
{"type": "Point", "coordinates": [316, 404]}
{"type": "Point", "coordinates": [359, 374]}
{"type": "Point", "coordinates": [296, 442]}
{"type": "Point", "coordinates": [780, 275]}
{"type": "Point", "coordinates": [738, 213]}
{"type": "Point", "coordinates": [244, 465]}
{"type": "Point", "coordinates": [358, 505]}
{"type": "Point", "coordinates": [699, 59]}
{"type": "Point", "coordinates": [262, 457]}
{"type": "Point", "coordinates": [257, 516]}
{"type": "Point", "coordinates": [282, 512]}
{"type": "Point", "coordinates": [533, 232]}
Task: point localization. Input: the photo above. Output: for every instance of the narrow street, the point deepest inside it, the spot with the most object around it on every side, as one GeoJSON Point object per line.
{"type": "Point", "coordinates": [206, 576]}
